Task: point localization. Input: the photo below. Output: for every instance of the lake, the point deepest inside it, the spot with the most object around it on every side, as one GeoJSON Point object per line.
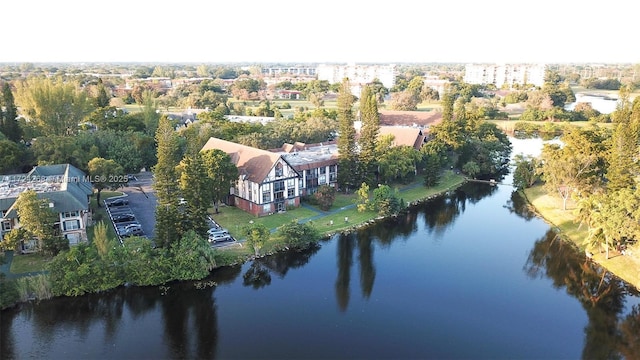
{"type": "Point", "coordinates": [604, 104]}
{"type": "Point", "coordinates": [469, 275]}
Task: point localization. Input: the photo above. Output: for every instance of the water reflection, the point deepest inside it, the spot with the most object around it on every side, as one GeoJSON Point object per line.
{"type": "Point", "coordinates": [601, 294]}
{"type": "Point", "coordinates": [518, 205]}
{"type": "Point", "coordinates": [344, 247]}
{"type": "Point", "coordinates": [259, 273]}
{"type": "Point", "coordinates": [188, 315]}
{"type": "Point", "coordinates": [192, 323]}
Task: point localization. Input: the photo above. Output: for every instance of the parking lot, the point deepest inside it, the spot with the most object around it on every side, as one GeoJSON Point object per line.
{"type": "Point", "coordinates": [140, 202]}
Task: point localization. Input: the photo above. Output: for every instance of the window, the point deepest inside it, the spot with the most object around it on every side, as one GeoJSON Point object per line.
{"type": "Point", "coordinates": [6, 225]}
{"type": "Point", "coordinates": [71, 225]}
{"type": "Point", "coordinates": [323, 170]}
{"type": "Point", "coordinates": [279, 171]}
{"type": "Point", "coordinates": [322, 179]}
{"type": "Point", "coordinates": [266, 208]}
{"type": "Point", "coordinates": [291, 192]}
{"type": "Point", "coordinates": [266, 193]}
{"type": "Point", "coordinates": [70, 214]}
{"type": "Point", "coordinates": [278, 186]}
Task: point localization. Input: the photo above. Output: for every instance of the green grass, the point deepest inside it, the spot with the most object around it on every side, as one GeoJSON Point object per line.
{"type": "Point", "coordinates": [100, 214]}
{"type": "Point", "coordinates": [234, 219]}
{"type": "Point", "coordinates": [550, 208]}
{"type": "Point", "coordinates": [28, 263]}
{"type": "Point", "coordinates": [332, 221]}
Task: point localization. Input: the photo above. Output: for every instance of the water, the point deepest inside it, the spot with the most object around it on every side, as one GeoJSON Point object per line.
{"type": "Point", "coordinates": [604, 105]}
{"type": "Point", "coordinates": [469, 275]}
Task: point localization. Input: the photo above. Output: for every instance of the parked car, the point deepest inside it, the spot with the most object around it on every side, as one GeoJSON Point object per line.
{"type": "Point", "coordinates": [130, 230]}
{"type": "Point", "coordinates": [116, 202]}
{"type": "Point", "coordinates": [221, 237]}
{"type": "Point", "coordinates": [123, 218]}
{"type": "Point", "coordinates": [217, 230]}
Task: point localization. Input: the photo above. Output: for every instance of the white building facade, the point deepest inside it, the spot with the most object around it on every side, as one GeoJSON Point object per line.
{"type": "Point", "coordinates": [502, 75]}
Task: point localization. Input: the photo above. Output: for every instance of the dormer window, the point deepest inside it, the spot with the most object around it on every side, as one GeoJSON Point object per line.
{"type": "Point", "coordinates": [279, 171]}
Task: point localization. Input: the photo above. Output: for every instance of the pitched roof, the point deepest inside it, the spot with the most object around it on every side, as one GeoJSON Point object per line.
{"type": "Point", "coordinates": [404, 135]}
{"type": "Point", "coordinates": [252, 162]}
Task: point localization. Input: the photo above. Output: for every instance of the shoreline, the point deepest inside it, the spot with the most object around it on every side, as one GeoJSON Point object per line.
{"type": "Point", "coordinates": [353, 227]}
{"type": "Point", "coordinates": [621, 266]}
{"type": "Point", "coordinates": [325, 236]}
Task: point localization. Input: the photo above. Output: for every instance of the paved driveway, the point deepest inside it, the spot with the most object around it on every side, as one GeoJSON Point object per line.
{"type": "Point", "coordinates": [142, 201]}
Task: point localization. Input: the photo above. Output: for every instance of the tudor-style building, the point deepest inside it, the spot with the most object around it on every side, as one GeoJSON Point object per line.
{"type": "Point", "coordinates": [266, 184]}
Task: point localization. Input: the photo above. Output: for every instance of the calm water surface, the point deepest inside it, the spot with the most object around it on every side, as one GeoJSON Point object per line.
{"type": "Point", "coordinates": [469, 275]}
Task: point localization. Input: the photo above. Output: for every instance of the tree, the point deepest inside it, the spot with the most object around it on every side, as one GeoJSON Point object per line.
{"type": "Point", "coordinates": [368, 133]}
{"type": "Point", "coordinates": [150, 112]}
{"type": "Point", "coordinates": [431, 169]}
{"type": "Point", "coordinates": [102, 98]}
{"type": "Point", "coordinates": [11, 156]}
{"type": "Point", "coordinates": [325, 196]}
{"type": "Point", "coordinates": [363, 198]}
{"type": "Point", "coordinates": [168, 224]}
{"type": "Point", "coordinates": [298, 235]}
{"type": "Point", "coordinates": [525, 174]}
{"type": "Point", "coordinates": [347, 156]}
{"type": "Point", "coordinates": [55, 106]}
{"type": "Point", "coordinates": [197, 190]}
{"type": "Point", "coordinates": [222, 172]}
{"type": "Point", "coordinates": [386, 202]}
{"type": "Point", "coordinates": [471, 168]}
{"type": "Point", "coordinates": [9, 115]}
{"type": "Point", "coordinates": [578, 167]}
{"type": "Point", "coordinates": [192, 258]}
{"type": "Point", "coordinates": [105, 174]}
{"type": "Point", "coordinates": [256, 236]}
{"type": "Point", "coordinates": [101, 240]}
{"type": "Point", "coordinates": [37, 218]}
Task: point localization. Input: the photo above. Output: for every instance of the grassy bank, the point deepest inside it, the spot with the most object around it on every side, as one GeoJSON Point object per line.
{"type": "Point", "coordinates": [327, 222]}
{"type": "Point", "coordinates": [549, 207]}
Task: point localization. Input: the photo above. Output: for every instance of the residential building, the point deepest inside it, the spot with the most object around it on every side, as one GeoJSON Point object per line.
{"type": "Point", "coordinates": [505, 74]}
{"type": "Point", "coordinates": [67, 190]}
{"type": "Point", "coordinates": [359, 75]}
{"type": "Point", "coordinates": [280, 71]}
{"type": "Point", "coordinates": [317, 164]}
{"type": "Point", "coordinates": [267, 183]}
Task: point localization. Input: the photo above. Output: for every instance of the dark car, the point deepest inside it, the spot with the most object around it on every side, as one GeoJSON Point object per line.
{"type": "Point", "coordinates": [123, 218]}
{"type": "Point", "coordinates": [116, 202]}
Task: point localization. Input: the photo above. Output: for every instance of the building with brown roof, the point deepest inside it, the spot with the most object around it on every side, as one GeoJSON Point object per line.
{"type": "Point", "coordinates": [267, 183]}
{"type": "Point", "coordinates": [405, 135]}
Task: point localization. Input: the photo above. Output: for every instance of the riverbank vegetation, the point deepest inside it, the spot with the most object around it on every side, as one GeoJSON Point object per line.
{"type": "Point", "coordinates": [462, 145]}
{"type": "Point", "coordinates": [593, 178]}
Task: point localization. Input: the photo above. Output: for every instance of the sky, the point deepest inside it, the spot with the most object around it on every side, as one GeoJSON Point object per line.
{"type": "Point", "coordinates": [324, 31]}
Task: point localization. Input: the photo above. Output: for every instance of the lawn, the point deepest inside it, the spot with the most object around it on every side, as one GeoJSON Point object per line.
{"type": "Point", "coordinates": [233, 219]}
{"type": "Point", "coordinates": [28, 263]}
{"type": "Point", "coordinates": [332, 221]}
{"type": "Point", "coordinates": [550, 208]}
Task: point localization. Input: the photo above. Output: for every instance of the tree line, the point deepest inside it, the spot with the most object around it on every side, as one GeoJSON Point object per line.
{"type": "Point", "coordinates": [598, 169]}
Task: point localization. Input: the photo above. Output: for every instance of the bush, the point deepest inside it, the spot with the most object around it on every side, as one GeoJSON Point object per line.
{"type": "Point", "coordinates": [8, 293]}
{"type": "Point", "coordinates": [298, 235]}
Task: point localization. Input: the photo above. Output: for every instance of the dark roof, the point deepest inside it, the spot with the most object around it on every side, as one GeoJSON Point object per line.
{"type": "Point", "coordinates": [69, 193]}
